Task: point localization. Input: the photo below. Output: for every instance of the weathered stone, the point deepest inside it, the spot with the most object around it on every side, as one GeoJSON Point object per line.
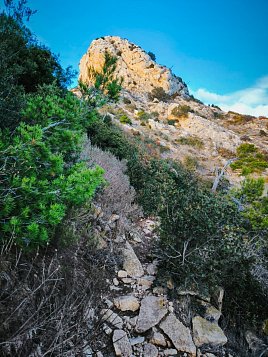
{"type": "Point", "coordinates": [109, 316]}
{"type": "Point", "coordinates": [136, 340]}
{"type": "Point", "coordinates": [157, 338]}
{"type": "Point", "coordinates": [99, 354]}
{"type": "Point", "coordinates": [151, 269]}
{"type": "Point", "coordinates": [131, 264]}
{"type": "Point", "coordinates": [179, 334]}
{"type": "Point", "coordinates": [146, 282]}
{"type": "Point", "coordinates": [152, 310]}
{"type": "Point", "coordinates": [206, 332]}
{"type": "Point", "coordinates": [150, 350]}
{"type": "Point", "coordinates": [115, 282]}
{"type": "Point", "coordinates": [121, 344]}
{"type": "Point", "coordinates": [212, 314]}
{"type": "Point", "coordinates": [107, 329]}
{"type": "Point", "coordinates": [170, 352]}
{"type": "Point", "coordinates": [127, 303]}
{"type": "Point", "coordinates": [140, 73]}
{"type": "Point", "coordinates": [122, 274]}
{"type": "Point", "coordinates": [127, 280]}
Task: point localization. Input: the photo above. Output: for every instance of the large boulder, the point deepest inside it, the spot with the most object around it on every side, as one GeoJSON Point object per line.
{"type": "Point", "coordinates": [207, 333]}
{"type": "Point", "coordinates": [127, 303]}
{"type": "Point", "coordinates": [131, 263]}
{"type": "Point", "coordinates": [152, 310]}
{"type": "Point", "coordinates": [139, 72]}
{"type": "Point", "coordinates": [179, 334]}
{"type": "Point", "coordinates": [122, 346]}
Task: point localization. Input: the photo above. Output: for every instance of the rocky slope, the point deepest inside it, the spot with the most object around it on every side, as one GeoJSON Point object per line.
{"type": "Point", "coordinates": [204, 137]}
{"type": "Point", "coordinates": [139, 72]}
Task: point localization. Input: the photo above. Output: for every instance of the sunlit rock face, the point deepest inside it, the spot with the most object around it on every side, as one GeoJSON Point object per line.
{"type": "Point", "coordinates": [139, 72]}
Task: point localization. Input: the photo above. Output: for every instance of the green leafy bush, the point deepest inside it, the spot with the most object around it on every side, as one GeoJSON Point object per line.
{"type": "Point", "coordinates": [124, 119]}
{"type": "Point", "coordinates": [249, 159]}
{"type": "Point", "coordinates": [181, 111]}
{"type": "Point", "coordinates": [105, 80]}
{"type": "Point", "coordinates": [37, 187]}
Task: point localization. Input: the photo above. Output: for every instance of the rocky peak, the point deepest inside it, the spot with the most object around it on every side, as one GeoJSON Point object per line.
{"type": "Point", "coordinates": [139, 72]}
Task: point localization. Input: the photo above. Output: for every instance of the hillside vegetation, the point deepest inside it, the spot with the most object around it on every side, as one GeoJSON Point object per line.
{"type": "Point", "coordinates": [61, 158]}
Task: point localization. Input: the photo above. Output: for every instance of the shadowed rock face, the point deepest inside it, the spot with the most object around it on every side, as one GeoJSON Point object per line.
{"type": "Point", "coordinates": [139, 72]}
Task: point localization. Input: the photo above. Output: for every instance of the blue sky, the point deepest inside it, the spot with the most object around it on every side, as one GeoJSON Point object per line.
{"type": "Point", "coordinates": [218, 47]}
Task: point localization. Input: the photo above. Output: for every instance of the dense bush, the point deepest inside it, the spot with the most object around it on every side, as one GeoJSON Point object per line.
{"type": "Point", "coordinates": [124, 119]}
{"type": "Point", "coordinates": [190, 140]}
{"type": "Point", "coordinates": [181, 111]}
{"type": "Point", "coordinates": [37, 185]}
{"type": "Point", "coordinates": [159, 94]}
{"type": "Point", "coordinates": [24, 65]}
{"type": "Point", "coordinates": [249, 159]}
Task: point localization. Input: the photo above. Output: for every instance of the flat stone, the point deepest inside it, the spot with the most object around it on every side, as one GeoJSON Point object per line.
{"type": "Point", "coordinates": [206, 332]}
{"type": "Point", "coordinates": [127, 303]}
{"type": "Point", "coordinates": [122, 274]}
{"type": "Point", "coordinates": [131, 264]}
{"type": "Point", "coordinates": [150, 350]}
{"type": "Point", "coordinates": [170, 352]}
{"type": "Point", "coordinates": [179, 334]}
{"type": "Point", "coordinates": [136, 340]}
{"type": "Point", "coordinates": [157, 338]}
{"type": "Point", "coordinates": [109, 316]}
{"type": "Point", "coordinates": [146, 282]}
{"type": "Point", "coordinates": [152, 310]}
{"type": "Point", "coordinates": [122, 346]}
{"type": "Point", "coordinates": [127, 280]}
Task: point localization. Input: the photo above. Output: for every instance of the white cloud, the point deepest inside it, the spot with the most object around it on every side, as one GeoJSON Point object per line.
{"type": "Point", "coordinates": [252, 100]}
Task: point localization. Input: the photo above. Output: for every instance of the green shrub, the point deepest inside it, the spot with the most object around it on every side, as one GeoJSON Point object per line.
{"type": "Point", "coordinates": [171, 122]}
{"type": "Point", "coordinates": [159, 94]}
{"type": "Point", "coordinates": [152, 55]}
{"type": "Point", "coordinates": [143, 116]}
{"type": "Point", "coordinates": [249, 159]}
{"type": "Point", "coordinates": [37, 187]}
{"type": "Point", "coordinates": [181, 111]}
{"type": "Point", "coordinates": [105, 80]}
{"type": "Point", "coordinates": [124, 119]}
{"type": "Point", "coordinates": [190, 140]}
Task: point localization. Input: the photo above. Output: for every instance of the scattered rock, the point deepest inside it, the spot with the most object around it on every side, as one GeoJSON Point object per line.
{"type": "Point", "coordinates": [157, 338]}
{"type": "Point", "coordinates": [151, 269]}
{"type": "Point", "coordinates": [109, 316]}
{"type": "Point", "coordinates": [127, 280]}
{"type": "Point", "coordinates": [170, 352]}
{"type": "Point", "coordinates": [212, 314]}
{"type": "Point", "coordinates": [115, 282]}
{"type": "Point", "coordinates": [146, 281]}
{"type": "Point", "coordinates": [150, 350]}
{"type": "Point", "coordinates": [107, 329]}
{"type": "Point", "coordinates": [131, 264]}
{"type": "Point", "coordinates": [136, 340]}
{"type": "Point", "coordinates": [179, 334]}
{"type": "Point", "coordinates": [122, 274]}
{"type": "Point", "coordinates": [152, 310]}
{"type": "Point", "coordinates": [206, 332]}
{"type": "Point", "coordinates": [121, 344]}
{"type": "Point", "coordinates": [127, 303]}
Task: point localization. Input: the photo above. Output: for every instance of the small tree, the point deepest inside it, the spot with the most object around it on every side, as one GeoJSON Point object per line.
{"type": "Point", "coordinates": [152, 55]}
{"type": "Point", "coordinates": [105, 80]}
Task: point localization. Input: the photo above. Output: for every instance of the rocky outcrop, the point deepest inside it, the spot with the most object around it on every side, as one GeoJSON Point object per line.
{"type": "Point", "coordinates": [139, 72]}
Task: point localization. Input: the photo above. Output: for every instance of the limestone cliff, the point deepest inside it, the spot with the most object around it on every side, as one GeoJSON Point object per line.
{"type": "Point", "coordinates": [139, 72]}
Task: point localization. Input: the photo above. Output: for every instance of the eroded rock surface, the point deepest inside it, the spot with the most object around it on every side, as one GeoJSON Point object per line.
{"type": "Point", "coordinates": [139, 72]}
